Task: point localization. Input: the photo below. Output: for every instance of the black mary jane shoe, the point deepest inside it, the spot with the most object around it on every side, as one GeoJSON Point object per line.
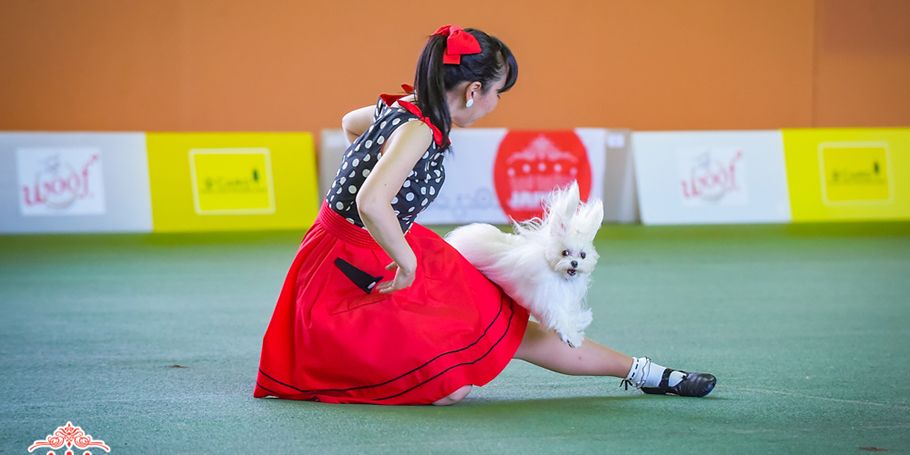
{"type": "Point", "coordinates": [692, 385]}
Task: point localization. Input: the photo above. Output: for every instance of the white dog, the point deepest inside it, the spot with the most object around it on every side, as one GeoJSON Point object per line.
{"type": "Point", "coordinates": [546, 265]}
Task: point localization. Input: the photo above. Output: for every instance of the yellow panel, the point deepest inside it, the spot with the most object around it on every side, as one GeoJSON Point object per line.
{"type": "Point", "coordinates": [232, 181]}
{"type": "Point", "coordinates": [848, 174]}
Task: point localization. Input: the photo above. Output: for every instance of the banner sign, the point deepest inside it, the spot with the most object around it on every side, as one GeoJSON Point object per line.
{"type": "Point", "coordinates": [494, 175]}
{"type": "Point", "coordinates": [232, 181]}
{"type": "Point", "coordinates": [848, 174]}
{"type": "Point", "coordinates": [74, 182]}
{"type": "Point", "coordinates": [711, 177]}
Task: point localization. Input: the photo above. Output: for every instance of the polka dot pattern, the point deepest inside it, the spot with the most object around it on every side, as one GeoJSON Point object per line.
{"type": "Point", "coordinates": [418, 190]}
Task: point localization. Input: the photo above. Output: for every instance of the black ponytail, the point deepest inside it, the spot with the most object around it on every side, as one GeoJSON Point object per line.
{"type": "Point", "coordinates": [433, 78]}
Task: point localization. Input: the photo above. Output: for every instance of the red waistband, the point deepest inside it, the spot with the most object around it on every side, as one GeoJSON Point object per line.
{"type": "Point", "coordinates": [340, 227]}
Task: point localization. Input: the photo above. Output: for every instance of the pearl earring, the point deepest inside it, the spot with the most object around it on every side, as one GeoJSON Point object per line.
{"type": "Point", "coordinates": [469, 103]}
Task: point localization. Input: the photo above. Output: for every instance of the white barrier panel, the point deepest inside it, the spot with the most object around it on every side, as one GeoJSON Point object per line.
{"type": "Point", "coordinates": [711, 177]}
{"type": "Point", "coordinates": [468, 195]}
{"type": "Point", "coordinates": [495, 174]}
{"type": "Point", "coordinates": [619, 196]}
{"type": "Point", "coordinates": [74, 182]}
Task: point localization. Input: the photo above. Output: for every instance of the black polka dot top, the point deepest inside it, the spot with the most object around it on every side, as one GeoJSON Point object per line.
{"type": "Point", "coordinates": [419, 189]}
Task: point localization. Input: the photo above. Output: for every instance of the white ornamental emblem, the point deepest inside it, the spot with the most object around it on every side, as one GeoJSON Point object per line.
{"type": "Point", "coordinates": [69, 436]}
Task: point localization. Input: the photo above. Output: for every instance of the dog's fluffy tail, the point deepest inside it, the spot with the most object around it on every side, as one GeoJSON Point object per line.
{"type": "Point", "coordinates": [481, 244]}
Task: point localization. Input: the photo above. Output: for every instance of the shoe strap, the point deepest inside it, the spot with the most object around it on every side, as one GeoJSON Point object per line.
{"type": "Point", "coordinates": [665, 379]}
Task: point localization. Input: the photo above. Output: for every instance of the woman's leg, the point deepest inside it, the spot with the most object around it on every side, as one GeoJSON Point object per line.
{"type": "Point", "coordinates": [544, 348]}
{"type": "Point", "coordinates": [455, 397]}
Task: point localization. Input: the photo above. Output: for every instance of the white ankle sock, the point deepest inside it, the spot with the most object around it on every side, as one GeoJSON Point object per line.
{"type": "Point", "coordinates": [645, 373]}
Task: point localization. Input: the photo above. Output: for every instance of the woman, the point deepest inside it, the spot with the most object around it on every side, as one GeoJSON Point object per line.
{"type": "Point", "coordinates": [378, 309]}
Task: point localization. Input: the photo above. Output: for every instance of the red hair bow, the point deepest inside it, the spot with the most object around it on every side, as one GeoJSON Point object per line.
{"type": "Point", "coordinates": [458, 43]}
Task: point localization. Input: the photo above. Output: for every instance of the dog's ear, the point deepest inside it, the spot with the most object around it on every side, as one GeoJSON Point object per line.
{"type": "Point", "coordinates": [574, 195]}
{"type": "Point", "coordinates": [589, 218]}
{"type": "Point", "coordinates": [561, 207]}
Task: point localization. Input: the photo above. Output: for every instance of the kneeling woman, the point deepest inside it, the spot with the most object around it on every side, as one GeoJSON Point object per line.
{"type": "Point", "coordinates": [378, 309]}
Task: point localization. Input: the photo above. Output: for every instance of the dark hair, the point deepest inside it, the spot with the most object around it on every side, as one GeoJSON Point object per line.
{"type": "Point", "coordinates": [433, 78]}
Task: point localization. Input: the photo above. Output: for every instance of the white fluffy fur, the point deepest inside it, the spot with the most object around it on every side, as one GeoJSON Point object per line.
{"type": "Point", "coordinates": [535, 264]}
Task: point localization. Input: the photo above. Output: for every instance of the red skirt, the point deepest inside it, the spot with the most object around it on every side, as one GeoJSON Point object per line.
{"type": "Point", "coordinates": [333, 338]}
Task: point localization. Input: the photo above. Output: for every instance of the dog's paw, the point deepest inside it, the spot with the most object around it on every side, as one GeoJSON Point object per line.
{"type": "Point", "coordinates": [573, 339]}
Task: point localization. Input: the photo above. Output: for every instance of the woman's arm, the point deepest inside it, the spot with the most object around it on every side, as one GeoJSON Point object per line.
{"type": "Point", "coordinates": [374, 200]}
{"type": "Point", "coordinates": [354, 123]}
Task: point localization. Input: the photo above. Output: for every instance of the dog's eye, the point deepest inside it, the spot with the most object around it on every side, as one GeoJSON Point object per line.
{"type": "Point", "coordinates": [582, 254]}
{"type": "Point", "coordinates": [565, 252]}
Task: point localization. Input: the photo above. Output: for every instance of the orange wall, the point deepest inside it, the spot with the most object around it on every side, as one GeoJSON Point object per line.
{"type": "Point", "coordinates": [275, 65]}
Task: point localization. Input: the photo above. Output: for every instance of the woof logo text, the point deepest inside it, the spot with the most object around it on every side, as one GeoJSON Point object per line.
{"type": "Point", "coordinates": [712, 177]}
{"type": "Point", "coordinates": [60, 181]}
{"type": "Point", "coordinates": [69, 436]}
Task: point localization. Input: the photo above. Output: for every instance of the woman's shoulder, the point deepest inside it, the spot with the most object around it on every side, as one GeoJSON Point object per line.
{"type": "Point", "coordinates": [412, 131]}
{"type": "Point", "coordinates": [392, 110]}
{"type": "Point", "coordinates": [400, 115]}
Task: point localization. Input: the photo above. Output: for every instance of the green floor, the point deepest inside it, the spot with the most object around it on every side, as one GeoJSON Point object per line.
{"type": "Point", "coordinates": [807, 328]}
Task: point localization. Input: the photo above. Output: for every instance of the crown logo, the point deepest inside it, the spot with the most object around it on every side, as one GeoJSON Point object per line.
{"type": "Point", "coordinates": [541, 149]}
{"type": "Point", "coordinates": [69, 436]}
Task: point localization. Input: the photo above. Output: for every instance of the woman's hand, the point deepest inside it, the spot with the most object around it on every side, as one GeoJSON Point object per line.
{"type": "Point", "coordinates": [403, 278]}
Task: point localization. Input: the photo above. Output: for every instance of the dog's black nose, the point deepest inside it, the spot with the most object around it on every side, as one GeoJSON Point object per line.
{"type": "Point", "coordinates": [574, 263]}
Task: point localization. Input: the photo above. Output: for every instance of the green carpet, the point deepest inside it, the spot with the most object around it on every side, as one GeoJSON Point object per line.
{"type": "Point", "coordinates": [807, 328]}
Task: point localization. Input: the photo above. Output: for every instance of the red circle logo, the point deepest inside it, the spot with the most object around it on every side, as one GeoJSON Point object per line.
{"type": "Point", "coordinates": [530, 164]}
